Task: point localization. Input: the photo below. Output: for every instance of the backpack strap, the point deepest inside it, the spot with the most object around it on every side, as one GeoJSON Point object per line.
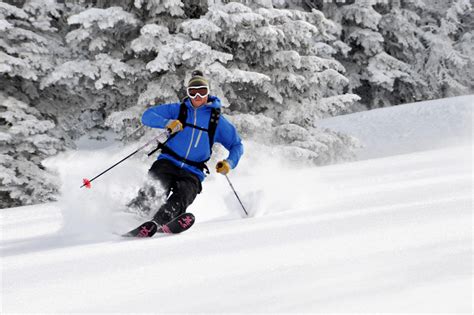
{"type": "Point", "coordinates": [211, 128]}
{"type": "Point", "coordinates": [182, 116]}
{"type": "Point", "coordinates": [183, 112]}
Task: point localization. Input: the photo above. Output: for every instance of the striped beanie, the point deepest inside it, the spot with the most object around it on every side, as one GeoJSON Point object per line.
{"type": "Point", "coordinates": [198, 79]}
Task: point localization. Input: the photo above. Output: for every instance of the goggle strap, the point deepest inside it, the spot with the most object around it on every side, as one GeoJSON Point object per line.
{"type": "Point", "coordinates": [198, 87]}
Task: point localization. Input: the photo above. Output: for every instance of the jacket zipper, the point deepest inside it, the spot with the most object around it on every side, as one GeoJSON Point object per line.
{"type": "Point", "coordinates": [192, 138]}
{"type": "Point", "coordinates": [198, 138]}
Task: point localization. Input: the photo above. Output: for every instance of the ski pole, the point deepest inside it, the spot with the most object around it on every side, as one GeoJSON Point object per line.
{"type": "Point", "coordinates": [87, 182]}
{"type": "Point", "coordinates": [134, 132]}
{"type": "Point", "coordinates": [233, 189]}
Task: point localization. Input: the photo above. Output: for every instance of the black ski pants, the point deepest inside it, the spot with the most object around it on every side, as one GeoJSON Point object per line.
{"type": "Point", "coordinates": [181, 184]}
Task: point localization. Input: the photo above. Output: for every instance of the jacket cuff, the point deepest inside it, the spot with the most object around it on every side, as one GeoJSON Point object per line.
{"type": "Point", "coordinates": [231, 163]}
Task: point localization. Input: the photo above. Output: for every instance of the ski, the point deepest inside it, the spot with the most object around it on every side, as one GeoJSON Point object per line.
{"type": "Point", "coordinates": [179, 224]}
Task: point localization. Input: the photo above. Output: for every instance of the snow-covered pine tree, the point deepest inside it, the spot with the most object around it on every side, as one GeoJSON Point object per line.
{"type": "Point", "coordinates": [99, 76]}
{"type": "Point", "coordinates": [24, 143]}
{"type": "Point", "coordinates": [30, 47]}
{"type": "Point", "coordinates": [432, 40]}
{"type": "Point", "coordinates": [104, 76]}
{"type": "Point", "coordinates": [403, 40]}
{"type": "Point", "coordinates": [26, 51]}
{"type": "Point", "coordinates": [374, 74]}
{"type": "Point", "coordinates": [282, 70]}
{"type": "Point", "coordinates": [449, 62]}
{"type": "Point", "coordinates": [164, 9]}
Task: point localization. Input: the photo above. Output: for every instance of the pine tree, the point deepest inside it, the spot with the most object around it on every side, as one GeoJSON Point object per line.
{"type": "Point", "coordinates": [403, 40]}
{"type": "Point", "coordinates": [101, 74]}
{"type": "Point", "coordinates": [30, 47]}
{"type": "Point", "coordinates": [449, 63]}
{"type": "Point", "coordinates": [24, 142]}
{"type": "Point", "coordinates": [24, 52]}
{"type": "Point", "coordinates": [404, 51]}
{"type": "Point", "coordinates": [374, 73]}
{"type": "Point", "coordinates": [435, 44]}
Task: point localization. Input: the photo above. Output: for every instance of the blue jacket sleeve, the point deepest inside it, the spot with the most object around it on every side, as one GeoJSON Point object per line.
{"type": "Point", "coordinates": [227, 135]}
{"type": "Point", "coordinates": [159, 116]}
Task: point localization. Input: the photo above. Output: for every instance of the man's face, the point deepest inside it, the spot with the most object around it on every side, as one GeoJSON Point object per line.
{"type": "Point", "coordinates": [198, 101]}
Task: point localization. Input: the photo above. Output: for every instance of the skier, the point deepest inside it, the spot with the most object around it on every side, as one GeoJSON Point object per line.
{"type": "Point", "coordinates": [194, 125]}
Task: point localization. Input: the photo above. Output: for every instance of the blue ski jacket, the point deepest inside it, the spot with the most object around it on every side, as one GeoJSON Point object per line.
{"type": "Point", "coordinates": [191, 143]}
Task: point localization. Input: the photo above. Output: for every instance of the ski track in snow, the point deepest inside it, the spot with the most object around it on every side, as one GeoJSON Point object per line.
{"type": "Point", "coordinates": [391, 234]}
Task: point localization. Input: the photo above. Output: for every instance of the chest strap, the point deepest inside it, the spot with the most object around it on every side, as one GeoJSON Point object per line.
{"type": "Point", "coordinates": [200, 165]}
{"type": "Point", "coordinates": [195, 127]}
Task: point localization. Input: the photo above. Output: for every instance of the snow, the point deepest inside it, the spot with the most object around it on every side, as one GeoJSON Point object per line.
{"type": "Point", "coordinates": [103, 18]}
{"type": "Point", "coordinates": [410, 127]}
{"type": "Point", "coordinates": [391, 232]}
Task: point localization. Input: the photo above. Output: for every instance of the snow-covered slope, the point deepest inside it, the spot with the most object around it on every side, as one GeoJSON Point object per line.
{"type": "Point", "coordinates": [409, 128]}
{"type": "Point", "coordinates": [391, 234]}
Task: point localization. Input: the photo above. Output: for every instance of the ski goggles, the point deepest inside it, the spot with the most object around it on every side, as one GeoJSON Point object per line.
{"type": "Point", "coordinates": [194, 91]}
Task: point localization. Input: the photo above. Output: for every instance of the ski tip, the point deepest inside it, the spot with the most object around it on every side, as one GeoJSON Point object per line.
{"type": "Point", "coordinates": [180, 224]}
{"type": "Point", "coordinates": [190, 215]}
{"type": "Point", "coordinates": [146, 229]}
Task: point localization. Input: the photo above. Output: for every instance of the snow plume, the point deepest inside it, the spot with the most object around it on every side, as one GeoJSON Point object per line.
{"type": "Point", "coordinates": [91, 213]}
{"type": "Point", "coordinates": [265, 181]}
